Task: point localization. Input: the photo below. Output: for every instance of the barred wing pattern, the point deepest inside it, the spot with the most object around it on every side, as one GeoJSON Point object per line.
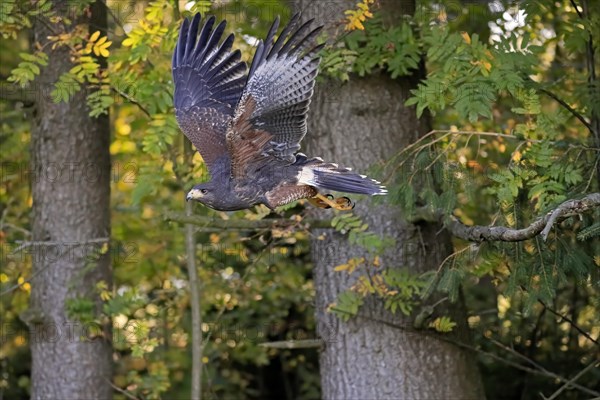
{"type": "Point", "coordinates": [209, 81]}
{"type": "Point", "coordinates": [281, 81]}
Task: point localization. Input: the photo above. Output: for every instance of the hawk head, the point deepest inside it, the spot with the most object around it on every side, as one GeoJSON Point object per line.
{"type": "Point", "coordinates": [204, 193]}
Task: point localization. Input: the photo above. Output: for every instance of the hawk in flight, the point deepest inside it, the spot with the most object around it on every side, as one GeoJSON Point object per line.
{"type": "Point", "coordinates": [247, 125]}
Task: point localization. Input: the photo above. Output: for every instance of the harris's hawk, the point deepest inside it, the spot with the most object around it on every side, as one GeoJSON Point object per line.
{"type": "Point", "coordinates": [247, 125]}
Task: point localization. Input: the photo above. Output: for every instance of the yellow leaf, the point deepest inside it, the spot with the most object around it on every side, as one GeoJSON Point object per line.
{"type": "Point", "coordinates": [104, 52]}
{"type": "Point", "coordinates": [102, 40]}
{"type": "Point", "coordinates": [128, 42]}
{"type": "Point", "coordinates": [341, 267]}
{"type": "Point", "coordinates": [466, 37]}
{"type": "Point", "coordinates": [377, 261]}
{"type": "Point", "coordinates": [95, 36]}
{"type": "Point", "coordinates": [516, 156]}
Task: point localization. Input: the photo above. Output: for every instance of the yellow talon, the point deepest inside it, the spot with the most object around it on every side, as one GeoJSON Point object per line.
{"type": "Point", "coordinates": [317, 201]}
{"type": "Point", "coordinates": [341, 203]}
{"type": "Point", "coordinates": [344, 203]}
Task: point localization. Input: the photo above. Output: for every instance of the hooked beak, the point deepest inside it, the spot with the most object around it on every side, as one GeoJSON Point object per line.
{"type": "Point", "coordinates": [193, 194]}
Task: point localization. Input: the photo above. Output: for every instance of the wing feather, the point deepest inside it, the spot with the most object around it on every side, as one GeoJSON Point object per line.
{"type": "Point", "coordinates": [209, 81]}
{"type": "Point", "coordinates": [247, 145]}
{"type": "Point", "coordinates": [281, 81]}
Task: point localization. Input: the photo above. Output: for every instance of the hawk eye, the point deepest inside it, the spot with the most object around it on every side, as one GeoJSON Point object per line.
{"type": "Point", "coordinates": [203, 191]}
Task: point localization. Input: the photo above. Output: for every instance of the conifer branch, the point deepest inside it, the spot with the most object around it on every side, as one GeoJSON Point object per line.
{"type": "Point", "coordinates": [542, 225]}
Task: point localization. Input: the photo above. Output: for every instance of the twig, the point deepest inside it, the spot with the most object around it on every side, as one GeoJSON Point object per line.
{"type": "Point", "coordinates": [572, 380]}
{"type": "Point", "coordinates": [543, 371]}
{"type": "Point", "coordinates": [122, 391]}
{"type": "Point", "coordinates": [518, 355]}
{"type": "Point", "coordinates": [576, 9]}
{"type": "Point", "coordinates": [570, 322]}
{"type": "Point", "coordinates": [131, 100]}
{"type": "Point", "coordinates": [568, 108]}
{"type": "Point", "coordinates": [113, 16]}
{"type": "Point", "coordinates": [39, 271]}
{"type": "Point", "coordinates": [16, 228]}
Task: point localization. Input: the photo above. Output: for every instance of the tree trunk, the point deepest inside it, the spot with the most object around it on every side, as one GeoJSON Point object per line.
{"type": "Point", "coordinates": [359, 124]}
{"type": "Point", "coordinates": [71, 226]}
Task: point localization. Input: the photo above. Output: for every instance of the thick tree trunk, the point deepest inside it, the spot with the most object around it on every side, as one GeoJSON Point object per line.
{"type": "Point", "coordinates": [357, 125]}
{"type": "Point", "coordinates": [71, 217]}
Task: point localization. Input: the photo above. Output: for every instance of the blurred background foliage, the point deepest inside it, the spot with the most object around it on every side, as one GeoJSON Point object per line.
{"type": "Point", "coordinates": [257, 285]}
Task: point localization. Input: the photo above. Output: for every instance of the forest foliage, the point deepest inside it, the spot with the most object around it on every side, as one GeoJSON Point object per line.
{"type": "Point", "coordinates": [511, 97]}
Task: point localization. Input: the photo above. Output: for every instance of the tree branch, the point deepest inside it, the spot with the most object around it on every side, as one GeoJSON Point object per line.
{"type": "Point", "coordinates": [243, 224]}
{"type": "Point", "coordinates": [593, 364]}
{"type": "Point", "coordinates": [131, 100]}
{"type": "Point", "coordinates": [541, 226]}
{"type": "Point", "coordinates": [570, 322]}
{"type": "Point", "coordinates": [10, 92]}
{"type": "Point", "coordinates": [295, 344]}
{"type": "Point", "coordinates": [568, 108]}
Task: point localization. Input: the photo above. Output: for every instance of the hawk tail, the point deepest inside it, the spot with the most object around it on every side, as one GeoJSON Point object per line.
{"type": "Point", "coordinates": [331, 177]}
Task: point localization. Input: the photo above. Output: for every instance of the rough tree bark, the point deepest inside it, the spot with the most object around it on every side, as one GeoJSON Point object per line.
{"type": "Point", "coordinates": [357, 125]}
{"type": "Point", "coordinates": [71, 219]}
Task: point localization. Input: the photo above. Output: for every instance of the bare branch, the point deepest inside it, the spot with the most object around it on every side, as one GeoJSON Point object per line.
{"type": "Point", "coordinates": [593, 364]}
{"type": "Point", "coordinates": [570, 322]}
{"type": "Point", "coordinates": [295, 344]}
{"type": "Point", "coordinates": [568, 108]}
{"type": "Point", "coordinates": [68, 246]}
{"type": "Point", "coordinates": [243, 224]}
{"type": "Point", "coordinates": [541, 226]}
{"type": "Point", "coordinates": [10, 92]}
{"type": "Point", "coordinates": [131, 100]}
{"type": "Point", "coordinates": [122, 391]}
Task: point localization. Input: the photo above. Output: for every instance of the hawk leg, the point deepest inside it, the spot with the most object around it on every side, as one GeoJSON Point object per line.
{"type": "Point", "coordinates": [317, 202]}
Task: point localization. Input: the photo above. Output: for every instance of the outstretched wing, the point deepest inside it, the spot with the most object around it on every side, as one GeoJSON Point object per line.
{"type": "Point", "coordinates": [280, 85]}
{"type": "Point", "coordinates": [209, 81]}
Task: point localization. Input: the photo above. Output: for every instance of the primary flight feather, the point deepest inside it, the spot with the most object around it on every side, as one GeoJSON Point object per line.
{"type": "Point", "coordinates": [248, 124]}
